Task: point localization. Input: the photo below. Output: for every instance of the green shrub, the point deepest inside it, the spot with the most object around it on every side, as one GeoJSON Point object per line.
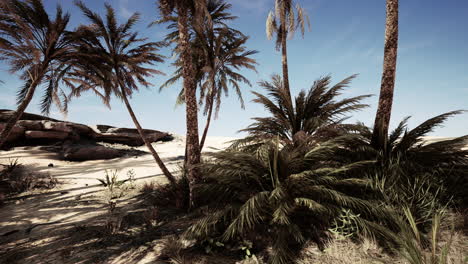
{"type": "Point", "coordinates": [413, 246]}
{"type": "Point", "coordinates": [282, 198]}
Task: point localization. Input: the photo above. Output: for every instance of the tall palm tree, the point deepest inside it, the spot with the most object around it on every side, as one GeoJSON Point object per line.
{"type": "Point", "coordinates": [283, 22]}
{"type": "Point", "coordinates": [314, 116]}
{"type": "Point", "coordinates": [217, 56]}
{"type": "Point", "coordinates": [114, 60]}
{"type": "Point", "coordinates": [185, 9]}
{"type": "Point", "coordinates": [384, 110]}
{"type": "Point", "coordinates": [227, 54]}
{"type": "Point", "coordinates": [38, 49]}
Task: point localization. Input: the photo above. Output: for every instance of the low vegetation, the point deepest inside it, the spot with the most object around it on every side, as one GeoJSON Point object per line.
{"type": "Point", "coordinates": [16, 178]}
{"type": "Point", "coordinates": [304, 186]}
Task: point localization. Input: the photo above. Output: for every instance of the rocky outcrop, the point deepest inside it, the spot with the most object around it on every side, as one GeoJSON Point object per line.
{"type": "Point", "coordinates": [16, 133]}
{"type": "Point", "coordinates": [40, 130]}
{"type": "Point", "coordinates": [48, 135]}
{"type": "Point", "coordinates": [89, 152]}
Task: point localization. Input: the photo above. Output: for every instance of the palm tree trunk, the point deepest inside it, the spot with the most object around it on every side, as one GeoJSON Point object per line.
{"type": "Point", "coordinates": [284, 51]}
{"type": "Point", "coordinates": [208, 119]}
{"type": "Point", "coordinates": [382, 118]}
{"type": "Point", "coordinates": [192, 140]}
{"type": "Point", "coordinates": [156, 157]}
{"type": "Point", "coordinates": [18, 113]}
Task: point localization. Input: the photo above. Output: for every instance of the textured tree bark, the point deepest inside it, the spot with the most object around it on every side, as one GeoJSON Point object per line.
{"type": "Point", "coordinates": [284, 51]}
{"type": "Point", "coordinates": [208, 119]}
{"type": "Point", "coordinates": [192, 140]}
{"type": "Point", "coordinates": [156, 157]}
{"type": "Point", "coordinates": [382, 117]}
{"type": "Point", "coordinates": [18, 113]}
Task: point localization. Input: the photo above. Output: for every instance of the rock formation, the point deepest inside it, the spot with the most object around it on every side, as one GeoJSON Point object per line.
{"type": "Point", "coordinates": [77, 141]}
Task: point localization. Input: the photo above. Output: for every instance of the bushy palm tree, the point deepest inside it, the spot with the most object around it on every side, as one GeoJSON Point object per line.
{"type": "Point", "coordinates": [116, 60]}
{"type": "Point", "coordinates": [410, 147]}
{"type": "Point", "coordinates": [284, 21]}
{"type": "Point", "coordinates": [281, 196]}
{"type": "Point", "coordinates": [314, 116]}
{"type": "Point", "coordinates": [185, 10]}
{"type": "Point", "coordinates": [384, 110]}
{"type": "Point", "coordinates": [217, 55]}
{"type": "Point", "coordinates": [38, 49]}
{"type": "Point", "coordinates": [409, 168]}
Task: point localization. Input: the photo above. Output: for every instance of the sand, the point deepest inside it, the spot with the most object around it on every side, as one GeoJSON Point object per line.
{"type": "Point", "coordinates": [37, 217]}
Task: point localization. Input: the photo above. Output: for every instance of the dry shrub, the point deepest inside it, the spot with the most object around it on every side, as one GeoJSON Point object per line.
{"type": "Point", "coordinates": [344, 251]}
{"type": "Point", "coordinates": [16, 178]}
{"type": "Point", "coordinates": [150, 217]}
{"type": "Point", "coordinates": [168, 195]}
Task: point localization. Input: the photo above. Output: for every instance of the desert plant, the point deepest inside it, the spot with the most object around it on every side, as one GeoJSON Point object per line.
{"type": "Point", "coordinates": [314, 116]}
{"type": "Point", "coordinates": [112, 183]}
{"type": "Point", "coordinates": [284, 22]}
{"type": "Point", "coordinates": [422, 194]}
{"type": "Point", "coordinates": [384, 109]}
{"type": "Point", "coordinates": [413, 246]}
{"type": "Point", "coordinates": [281, 196]}
{"type": "Point", "coordinates": [116, 61]}
{"type": "Point", "coordinates": [197, 12]}
{"type": "Point", "coordinates": [345, 225]}
{"type": "Point", "coordinates": [165, 195]}
{"type": "Point", "coordinates": [131, 178]}
{"type": "Point", "coordinates": [16, 178]}
{"type": "Point", "coordinates": [218, 52]}
{"type": "Point", "coordinates": [38, 48]}
{"type": "Point", "coordinates": [408, 160]}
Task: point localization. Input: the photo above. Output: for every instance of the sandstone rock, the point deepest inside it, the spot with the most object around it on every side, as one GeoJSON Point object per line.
{"type": "Point", "coordinates": [81, 129]}
{"type": "Point", "coordinates": [16, 133]}
{"type": "Point", "coordinates": [56, 126]}
{"type": "Point", "coordinates": [39, 130]}
{"type": "Point", "coordinates": [31, 124]}
{"type": "Point", "coordinates": [48, 135]}
{"type": "Point", "coordinates": [6, 115]}
{"type": "Point", "coordinates": [120, 138]}
{"type": "Point", "coordinates": [90, 152]}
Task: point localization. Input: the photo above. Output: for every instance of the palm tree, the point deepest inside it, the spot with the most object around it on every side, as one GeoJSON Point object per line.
{"type": "Point", "coordinates": [115, 61]}
{"type": "Point", "coordinates": [216, 55]}
{"type": "Point", "coordinates": [283, 22]}
{"type": "Point", "coordinates": [407, 157]}
{"type": "Point", "coordinates": [314, 116]}
{"type": "Point", "coordinates": [384, 110]}
{"type": "Point", "coordinates": [185, 9]}
{"type": "Point", "coordinates": [227, 54]}
{"type": "Point", "coordinates": [282, 198]}
{"type": "Point", "coordinates": [38, 49]}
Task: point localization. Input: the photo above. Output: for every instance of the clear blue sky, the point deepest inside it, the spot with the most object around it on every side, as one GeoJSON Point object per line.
{"type": "Point", "coordinates": [346, 38]}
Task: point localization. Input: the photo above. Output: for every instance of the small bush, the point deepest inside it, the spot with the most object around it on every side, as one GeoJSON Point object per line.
{"type": "Point", "coordinates": [16, 178]}
{"type": "Point", "coordinates": [167, 195]}
{"type": "Point", "coordinates": [413, 246]}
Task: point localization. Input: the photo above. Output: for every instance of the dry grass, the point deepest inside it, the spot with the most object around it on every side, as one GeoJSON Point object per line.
{"type": "Point", "coordinates": [344, 251]}
{"type": "Point", "coordinates": [17, 178]}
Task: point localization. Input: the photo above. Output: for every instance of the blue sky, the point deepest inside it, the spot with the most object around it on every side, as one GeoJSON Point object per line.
{"type": "Point", "coordinates": [346, 37]}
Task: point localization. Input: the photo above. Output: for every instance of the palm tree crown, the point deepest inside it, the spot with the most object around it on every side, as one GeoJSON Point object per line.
{"type": "Point", "coordinates": [284, 11]}
{"type": "Point", "coordinates": [315, 115]}
{"type": "Point", "coordinates": [117, 61]}
{"type": "Point", "coordinates": [36, 47]}
{"type": "Point", "coordinates": [217, 56]}
{"type": "Point", "coordinates": [116, 54]}
{"type": "Point", "coordinates": [39, 50]}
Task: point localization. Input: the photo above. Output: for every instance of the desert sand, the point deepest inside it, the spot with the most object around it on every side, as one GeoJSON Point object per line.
{"type": "Point", "coordinates": [37, 218]}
